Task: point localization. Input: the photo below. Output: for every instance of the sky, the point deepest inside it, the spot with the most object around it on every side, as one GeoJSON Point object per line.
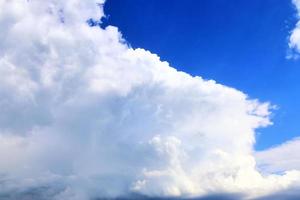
{"type": "Point", "coordinates": [149, 100]}
{"type": "Point", "coordinates": [242, 44]}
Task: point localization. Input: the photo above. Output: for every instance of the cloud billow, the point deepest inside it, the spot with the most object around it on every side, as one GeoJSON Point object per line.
{"type": "Point", "coordinates": [85, 116]}
{"type": "Point", "coordinates": [294, 40]}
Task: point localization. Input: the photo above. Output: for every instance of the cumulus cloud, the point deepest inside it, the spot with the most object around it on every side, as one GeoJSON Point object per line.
{"type": "Point", "coordinates": [83, 115]}
{"type": "Point", "coordinates": [295, 35]}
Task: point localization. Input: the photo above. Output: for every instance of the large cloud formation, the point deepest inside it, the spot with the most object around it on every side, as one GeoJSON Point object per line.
{"type": "Point", "coordinates": [85, 116]}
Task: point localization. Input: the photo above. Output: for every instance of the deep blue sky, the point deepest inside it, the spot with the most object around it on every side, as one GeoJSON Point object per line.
{"type": "Point", "coordinates": [238, 43]}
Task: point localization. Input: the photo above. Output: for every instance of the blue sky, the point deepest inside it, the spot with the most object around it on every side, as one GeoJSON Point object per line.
{"type": "Point", "coordinates": [243, 44]}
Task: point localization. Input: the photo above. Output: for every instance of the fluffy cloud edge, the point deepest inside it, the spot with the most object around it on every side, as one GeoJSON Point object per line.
{"type": "Point", "coordinates": [294, 39]}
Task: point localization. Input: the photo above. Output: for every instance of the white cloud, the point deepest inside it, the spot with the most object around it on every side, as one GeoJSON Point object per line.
{"type": "Point", "coordinates": [295, 35]}
{"type": "Point", "coordinates": [83, 115]}
{"type": "Point", "coordinates": [280, 158]}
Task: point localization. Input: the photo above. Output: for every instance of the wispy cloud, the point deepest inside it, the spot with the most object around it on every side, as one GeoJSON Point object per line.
{"type": "Point", "coordinates": [280, 158]}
